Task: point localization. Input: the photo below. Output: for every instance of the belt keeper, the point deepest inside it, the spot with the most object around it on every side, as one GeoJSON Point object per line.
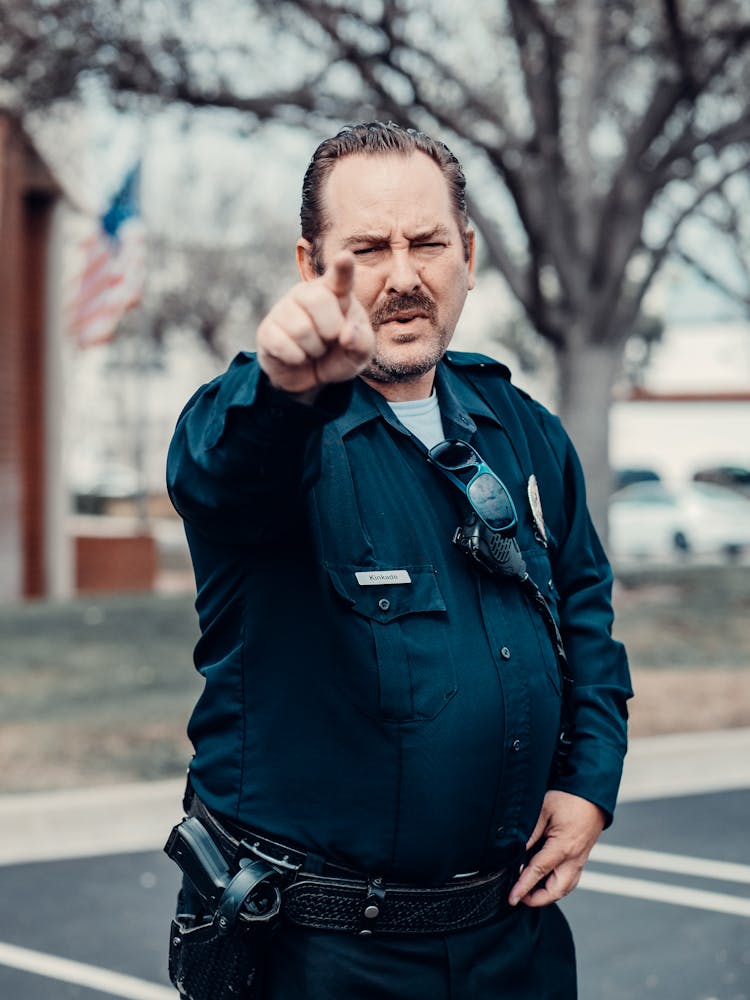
{"type": "Point", "coordinates": [372, 907]}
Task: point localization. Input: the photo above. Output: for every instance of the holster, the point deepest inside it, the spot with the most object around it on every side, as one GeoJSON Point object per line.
{"type": "Point", "coordinates": [216, 951]}
{"type": "Point", "coordinates": [207, 965]}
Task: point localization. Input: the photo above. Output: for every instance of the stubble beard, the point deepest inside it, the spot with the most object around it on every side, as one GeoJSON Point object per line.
{"type": "Point", "coordinates": [390, 370]}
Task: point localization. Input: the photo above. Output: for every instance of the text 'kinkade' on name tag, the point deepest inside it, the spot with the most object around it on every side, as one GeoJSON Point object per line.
{"type": "Point", "coordinates": [373, 578]}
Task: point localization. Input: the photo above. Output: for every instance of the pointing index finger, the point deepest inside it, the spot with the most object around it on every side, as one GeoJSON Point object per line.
{"type": "Point", "coordinates": [339, 277]}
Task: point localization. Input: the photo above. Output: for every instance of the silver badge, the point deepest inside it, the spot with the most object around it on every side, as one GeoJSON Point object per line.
{"type": "Point", "coordinates": [535, 502]}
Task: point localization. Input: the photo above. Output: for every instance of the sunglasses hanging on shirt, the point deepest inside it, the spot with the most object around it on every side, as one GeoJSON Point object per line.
{"type": "Point", "coordinates": [488, 534]}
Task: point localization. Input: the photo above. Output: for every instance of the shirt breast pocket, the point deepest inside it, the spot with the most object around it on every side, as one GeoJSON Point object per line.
{"type": "Point", "coordinates": [393, 657]}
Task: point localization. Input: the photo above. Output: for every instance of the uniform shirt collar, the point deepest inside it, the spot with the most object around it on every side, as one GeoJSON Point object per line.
{"type": "Point", "coordinates": [459, 404]}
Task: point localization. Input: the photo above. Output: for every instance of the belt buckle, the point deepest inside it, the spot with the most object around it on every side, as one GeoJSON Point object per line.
{"type": "Point", "coordinates": [459, 876]}
{"type": "Point", "coordinates": [282, 863]}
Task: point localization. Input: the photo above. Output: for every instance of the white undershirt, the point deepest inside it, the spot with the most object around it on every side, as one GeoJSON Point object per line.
{"type": "Point", "coordinates": [422, 418]}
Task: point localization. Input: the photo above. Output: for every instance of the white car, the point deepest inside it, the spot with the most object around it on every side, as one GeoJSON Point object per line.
{"type": "Point", "coordinates": [652, 520]}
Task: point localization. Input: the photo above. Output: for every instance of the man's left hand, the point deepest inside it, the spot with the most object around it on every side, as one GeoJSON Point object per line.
{"type": "Point", "coordinates": [569, 827]}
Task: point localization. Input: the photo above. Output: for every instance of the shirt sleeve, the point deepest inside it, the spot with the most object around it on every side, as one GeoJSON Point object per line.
{"type": "Point", "coordinates": [243, 453]}
{"type": "Point", "coordinates": [597, 662]}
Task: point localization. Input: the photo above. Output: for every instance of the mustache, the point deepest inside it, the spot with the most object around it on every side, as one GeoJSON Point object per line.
{"type": "Point", "coordinates": [408, 302]}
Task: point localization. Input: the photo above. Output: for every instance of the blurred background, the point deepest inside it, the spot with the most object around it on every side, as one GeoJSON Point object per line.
{"type": "Point", "coordinates": [151, 157]}
{"type": "Point", "coordinates": [152, 154]}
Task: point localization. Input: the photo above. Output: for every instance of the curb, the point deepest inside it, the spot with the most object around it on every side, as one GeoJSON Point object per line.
{"type": "Point", "coordinates": [88, 822]}
{"type": "Point", "coordinates": [660, 767]}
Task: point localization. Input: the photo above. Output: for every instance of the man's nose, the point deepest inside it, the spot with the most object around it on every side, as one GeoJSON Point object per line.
{"type": "Point", "coordinates": [404, 274]}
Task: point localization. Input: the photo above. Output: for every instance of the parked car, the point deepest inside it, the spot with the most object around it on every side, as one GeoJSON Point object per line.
{"type": "Point", "coordinates": [628, 476]}
{"type": "Point", "coordinates": [733, 476]}
{"type": "Point", "coordinates": [651, 520]}
{"type": "Point", "coordinates": [92, 493]}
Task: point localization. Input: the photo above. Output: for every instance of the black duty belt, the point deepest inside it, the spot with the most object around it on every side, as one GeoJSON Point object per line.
{"type": "Point", "coordinates": [363, 906]}
{"type": "Point", "coordinates": [332, 897]}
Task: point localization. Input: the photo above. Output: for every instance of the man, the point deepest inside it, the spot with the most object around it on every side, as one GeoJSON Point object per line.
{"type": "Point", "coordinates": [377, 703]}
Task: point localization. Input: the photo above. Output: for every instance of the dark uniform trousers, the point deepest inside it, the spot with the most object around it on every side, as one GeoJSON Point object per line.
{"type": "Point", "coordinates": [526, 954]}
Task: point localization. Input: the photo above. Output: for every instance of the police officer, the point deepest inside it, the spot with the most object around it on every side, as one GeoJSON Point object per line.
{"type": "Point", "coordinates": [381, 714]}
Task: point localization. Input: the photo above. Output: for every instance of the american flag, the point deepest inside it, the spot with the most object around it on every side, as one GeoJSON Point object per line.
{"type": "Point", "coordinates": [114, 269]}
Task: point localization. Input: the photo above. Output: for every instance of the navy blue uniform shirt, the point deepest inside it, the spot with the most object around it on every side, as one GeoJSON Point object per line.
{"type": "Point", "coordinates": [405, 729]}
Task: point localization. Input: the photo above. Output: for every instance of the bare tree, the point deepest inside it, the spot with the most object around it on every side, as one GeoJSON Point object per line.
{"type": "Point", "coordinates": [205, 289]}
{"type": "Point", "coordinates": [592, 132]}
{"type": "Point", "coordinates": [724, 218]}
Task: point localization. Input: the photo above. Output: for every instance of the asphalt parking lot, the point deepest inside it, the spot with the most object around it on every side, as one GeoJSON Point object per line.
{"type": "Point", "coordinates": [663, 910]}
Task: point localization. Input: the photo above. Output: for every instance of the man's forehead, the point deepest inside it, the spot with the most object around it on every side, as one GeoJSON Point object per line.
{"type": "Point", "coordinates": [364, 183]}
{"type": "Point", "coordinates": [384, 174]}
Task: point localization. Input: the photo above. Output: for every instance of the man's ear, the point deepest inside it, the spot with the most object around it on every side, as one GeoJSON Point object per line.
{"type": "Point", "coordinates": [470, 236]}
{"type": "Point", "coordinates": [305, 265]}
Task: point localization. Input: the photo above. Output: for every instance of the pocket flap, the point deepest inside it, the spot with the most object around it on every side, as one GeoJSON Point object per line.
{"type": "Point", "coordinates": [387, 601]}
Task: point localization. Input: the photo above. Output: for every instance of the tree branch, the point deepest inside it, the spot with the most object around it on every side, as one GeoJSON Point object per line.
{"type": "Point", "coordinates": [713, 279]}
{"type": "Point", "coordinates": [673, 18]}
{"type": "Point", "coordinates": [498, 247]}
{"type": "Point", "coordinates": [733, 229]}
{"type": "Point", "coordinates": [540, 61]}
{"type": "Point", "coordinates": [496, 113]}
{"type": "Point", "coordinates": [659, 254]}
{"type": "Point", "coordinates": [730, 134]}
{"type": "Point", "coordinates": [588, 34]}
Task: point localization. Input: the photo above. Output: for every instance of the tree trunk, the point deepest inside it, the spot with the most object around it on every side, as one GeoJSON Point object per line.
{"type": "Point", "coordinates": [586, 377]}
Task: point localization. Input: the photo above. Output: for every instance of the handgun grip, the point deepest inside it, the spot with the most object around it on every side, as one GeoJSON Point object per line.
{"type": "Point", "coordinates": [191, 847]}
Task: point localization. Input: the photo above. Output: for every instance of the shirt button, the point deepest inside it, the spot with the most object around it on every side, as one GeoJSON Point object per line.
{"type": "Point", "coordinates": [505, 653]}
{"type": "Point", "coordinates": [384, 604]}
{"type": "Point", "coordinates": [516, 744]}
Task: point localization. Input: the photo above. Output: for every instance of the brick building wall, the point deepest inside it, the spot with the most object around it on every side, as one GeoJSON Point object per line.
{"type": "Point", "coordinates": [27, 198]}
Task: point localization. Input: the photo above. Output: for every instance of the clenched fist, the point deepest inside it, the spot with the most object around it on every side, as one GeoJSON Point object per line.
{"type": "Point", "coordinates": [317, 333]}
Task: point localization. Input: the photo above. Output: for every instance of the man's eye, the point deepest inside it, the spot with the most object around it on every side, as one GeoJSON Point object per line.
{"type": "Point", "coordinates": [364, 251]}
{"type": "Point", "coordinates": [429, 246]}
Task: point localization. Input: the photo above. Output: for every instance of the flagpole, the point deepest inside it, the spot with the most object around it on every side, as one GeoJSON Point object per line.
{"type": "Point", "coordinates": [140, 423]}
{"type": "Point", "coordinates": [141, 370]}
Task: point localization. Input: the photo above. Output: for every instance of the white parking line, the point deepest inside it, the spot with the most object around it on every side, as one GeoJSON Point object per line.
{"type": "Point", "coordinates": [679, 864]}
{"type": "Point", "coordinates": [64, 970]}
{"type": "Point", "coordinates": [662, 892]}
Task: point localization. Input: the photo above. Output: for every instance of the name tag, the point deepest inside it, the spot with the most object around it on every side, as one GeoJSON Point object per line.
{"type": "Point", "coordinates": [373, 578]}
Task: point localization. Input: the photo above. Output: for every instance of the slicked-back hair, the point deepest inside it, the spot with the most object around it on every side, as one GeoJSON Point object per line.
{"type": "Point", "coordinates": [374, 139]}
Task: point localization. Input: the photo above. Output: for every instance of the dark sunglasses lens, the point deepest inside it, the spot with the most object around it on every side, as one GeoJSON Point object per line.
{"type": "Point", "coordinates": [491, 501]}
{"type": "Point", "coordinates": [453, 455]}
